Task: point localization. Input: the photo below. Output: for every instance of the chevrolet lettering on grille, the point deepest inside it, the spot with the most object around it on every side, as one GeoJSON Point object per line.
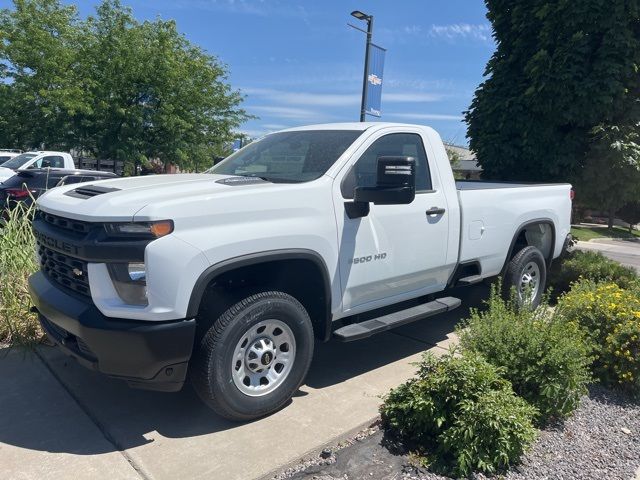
{"type": "Point", "coordinates": [56, 243]}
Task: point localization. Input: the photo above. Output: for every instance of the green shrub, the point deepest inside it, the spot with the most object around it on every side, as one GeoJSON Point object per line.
{"type": "Point", "coordinates": [545, 359]}
{"type": "Point", "coordinates": [461, 415]}
{"type": "Point", "coordinates": [592, 265]}
{"type": "Point", "coordinates": [17, 261]}
{"type": "Point", "coordinates": [610, 317]}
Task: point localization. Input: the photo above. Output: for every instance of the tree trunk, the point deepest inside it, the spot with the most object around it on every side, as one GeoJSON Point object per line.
{"type": "Point", "coordinates": [612, 213]}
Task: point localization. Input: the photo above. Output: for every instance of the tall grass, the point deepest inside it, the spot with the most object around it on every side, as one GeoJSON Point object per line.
{"type": "Point", "coordinates": [18, 326]}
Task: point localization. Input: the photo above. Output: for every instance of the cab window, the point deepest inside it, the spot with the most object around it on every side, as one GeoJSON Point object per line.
{"type": "Point", "coordinates": [363, 173]}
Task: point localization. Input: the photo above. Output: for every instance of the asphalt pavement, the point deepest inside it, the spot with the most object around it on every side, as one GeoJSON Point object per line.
{"type": "Point", "coordinates": [627, 252]}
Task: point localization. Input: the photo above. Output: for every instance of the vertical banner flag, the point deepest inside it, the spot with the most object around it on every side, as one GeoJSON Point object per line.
{"type": "Point", "coordinates": [374, 81]}
{"type": "Point", "coordinates": [237, 144]}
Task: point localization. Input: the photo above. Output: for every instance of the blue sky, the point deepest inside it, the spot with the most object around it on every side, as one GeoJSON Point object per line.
{"type": "Point", "coordinates": [298, 62]}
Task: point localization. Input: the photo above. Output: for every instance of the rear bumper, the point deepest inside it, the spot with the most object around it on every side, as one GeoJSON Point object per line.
{"type": "Point", "coordinates": [149, 355]}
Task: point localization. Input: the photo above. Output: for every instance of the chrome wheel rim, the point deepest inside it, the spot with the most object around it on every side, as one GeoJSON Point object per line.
{"type": "Point", "coordinates": [529, 282]}
{"type": "Point", "coordinates": [263, 358]}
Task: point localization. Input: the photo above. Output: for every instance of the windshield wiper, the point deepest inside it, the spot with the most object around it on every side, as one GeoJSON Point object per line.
{"type": "Point", "coordinates": [270, 179]}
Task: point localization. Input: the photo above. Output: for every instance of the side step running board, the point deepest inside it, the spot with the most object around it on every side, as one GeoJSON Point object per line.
{"type": "Point", "coordinates": [357, 331]}
{"type": "Point", "coordinates": [471, 280]}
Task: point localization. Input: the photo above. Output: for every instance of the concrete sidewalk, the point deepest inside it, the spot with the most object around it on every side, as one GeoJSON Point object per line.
{"type": "Point", "coordinates": [44, 434]}
{"type": "Point", "coordinates": [167, 436]}
{"type": "Point", "coordinates": [626, 252]}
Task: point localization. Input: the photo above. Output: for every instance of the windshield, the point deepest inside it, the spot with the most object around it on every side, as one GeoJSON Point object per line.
{"type": "Point", "coordinates": [20, 160]}
{"type": "Point", "coordinates": [289, 156]}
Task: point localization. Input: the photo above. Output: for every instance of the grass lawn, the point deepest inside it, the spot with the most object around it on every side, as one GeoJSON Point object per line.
{"type": "Point", "coordinates": [587, 233]}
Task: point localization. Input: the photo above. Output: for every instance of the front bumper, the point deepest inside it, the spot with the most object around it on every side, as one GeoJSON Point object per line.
{"type": "Point", "coordinates": [149, 355]}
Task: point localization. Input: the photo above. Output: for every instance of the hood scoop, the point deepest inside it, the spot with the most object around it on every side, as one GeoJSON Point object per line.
{"type": "Point", "coordinates": [240, 181]}
{"type": "Point", "coordinates": [90, 191]}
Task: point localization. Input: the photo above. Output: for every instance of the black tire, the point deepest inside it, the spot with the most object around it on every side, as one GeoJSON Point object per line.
{"type": "Point", "coordinates": [515, 272]}
{"type": "Point", "coordinates": [213, 360]}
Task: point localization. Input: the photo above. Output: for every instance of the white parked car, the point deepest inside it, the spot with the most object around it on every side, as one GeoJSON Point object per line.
{"type": "Point", "coordinates": [305, 235]}
{"type": "Point", "coordinates": [8, 155]}
{"type": "Point", "coordinates": [41, 159]}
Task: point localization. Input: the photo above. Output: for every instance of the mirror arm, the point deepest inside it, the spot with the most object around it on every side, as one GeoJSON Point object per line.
{"type": "Point", "coordinates": [356, 209]}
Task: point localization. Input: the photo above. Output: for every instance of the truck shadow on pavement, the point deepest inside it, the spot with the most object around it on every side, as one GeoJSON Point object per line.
{"type": "Point", "coordinates": [43, 400]}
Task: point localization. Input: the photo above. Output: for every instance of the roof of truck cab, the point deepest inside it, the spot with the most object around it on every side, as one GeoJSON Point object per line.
{"type": "Point", "coordinates": [350, 126]}
{"type": "Point", "coordinates": [46, 152]}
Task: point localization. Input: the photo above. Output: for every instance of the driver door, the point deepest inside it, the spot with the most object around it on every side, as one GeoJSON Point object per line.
{"type": "Point", "coordinates": [396, 252]}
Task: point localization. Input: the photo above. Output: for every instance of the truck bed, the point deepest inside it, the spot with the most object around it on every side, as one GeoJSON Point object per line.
{"type": "Point", "coordinates": [488, 185]}
{"type": "Point", "coordinates": [492, 212]}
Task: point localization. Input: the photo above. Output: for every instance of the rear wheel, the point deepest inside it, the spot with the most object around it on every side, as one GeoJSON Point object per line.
{"type": "Point", "coordinates": [526, 274]}
{"type": "Point", "coordinates": [254, 357]}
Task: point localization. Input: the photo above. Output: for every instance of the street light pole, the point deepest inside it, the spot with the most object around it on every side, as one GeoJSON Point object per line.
{"type": "Point", "coordinates": [369, 19]}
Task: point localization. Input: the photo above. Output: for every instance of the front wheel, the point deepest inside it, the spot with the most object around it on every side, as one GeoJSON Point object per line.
{"type": "Point", "coordinates": [526, 274]}
{"type": "Point", "coordinates": [254, 357]}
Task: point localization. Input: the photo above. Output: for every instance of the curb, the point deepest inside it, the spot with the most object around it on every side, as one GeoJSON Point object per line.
{"type": "Point", "coordinates": [315, 452]}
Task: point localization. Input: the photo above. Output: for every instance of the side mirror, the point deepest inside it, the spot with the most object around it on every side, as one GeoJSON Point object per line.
{"type": "Point", "coordinates": [395, 183]}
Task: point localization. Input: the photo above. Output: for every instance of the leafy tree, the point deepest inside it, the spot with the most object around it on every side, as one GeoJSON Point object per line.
{"type": "Point", "coordinates": [630, 213]}
{"type": "Point", "coordinates": [454, 157]}
{"type": "Point", "coordinates": [611, 176]}
{"type": "Point", "coordinates": [39, 93]}
{"type": "Point", "coordinates": [112, 86]}
{"type": "Point", "coordinates": [561, 69]}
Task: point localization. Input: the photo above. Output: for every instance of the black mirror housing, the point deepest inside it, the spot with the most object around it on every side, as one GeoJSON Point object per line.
{"type": "Point", "coordinates": [395, 183]}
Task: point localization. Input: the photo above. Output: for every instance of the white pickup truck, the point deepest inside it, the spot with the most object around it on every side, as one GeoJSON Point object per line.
{"type": "Point", "coordinates": [41, 159]}
{"type": "Point", "coordinates": [228, 277]}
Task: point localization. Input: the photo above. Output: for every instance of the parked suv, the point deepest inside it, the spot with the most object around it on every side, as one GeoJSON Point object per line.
{"type": "Point", "coordinates": [27, 185]}
{"type": "Point", "coordinates": [8, 154]}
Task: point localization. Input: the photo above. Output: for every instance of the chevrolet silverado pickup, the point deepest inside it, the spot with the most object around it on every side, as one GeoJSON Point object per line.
{"type": "Point", "coordinates": [32, 160]}
{"type": "Point", "coordinates": [228, 277]}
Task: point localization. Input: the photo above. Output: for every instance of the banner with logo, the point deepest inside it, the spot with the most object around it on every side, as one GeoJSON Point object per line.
{"type": "Point", "coordinates": [374, 81]}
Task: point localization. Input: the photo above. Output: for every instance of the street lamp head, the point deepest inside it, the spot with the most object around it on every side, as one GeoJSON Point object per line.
{"type": "Point", "coordinates": [360, 15]}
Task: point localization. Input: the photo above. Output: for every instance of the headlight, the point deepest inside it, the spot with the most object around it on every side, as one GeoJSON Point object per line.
{"type": "Point", "coordinates": [130, 281]}
{"type": "Point", "coordinates": [140, 229]}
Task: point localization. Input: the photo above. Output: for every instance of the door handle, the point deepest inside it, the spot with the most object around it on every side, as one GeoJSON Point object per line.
{"type": "Point", "coordinates": [435, 211]}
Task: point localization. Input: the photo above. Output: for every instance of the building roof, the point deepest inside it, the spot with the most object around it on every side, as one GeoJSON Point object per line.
{"type": "Point", "coordinates": [467, 161]}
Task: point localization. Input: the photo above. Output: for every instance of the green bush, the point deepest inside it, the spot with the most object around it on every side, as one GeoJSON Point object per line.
{"type": "Point", "coordinates": [610, 317]}
{"type": "Point", "coordinates": [545, 359]}
{"type": "Point", "coordinates": [461, 415]}
{"type": "Point", "coordinates": [17, 261]}
{"type": "Point", "coordinates": [592, 265]}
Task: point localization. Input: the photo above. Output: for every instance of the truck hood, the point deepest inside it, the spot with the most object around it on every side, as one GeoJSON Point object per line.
{"type": "Point", "coordinates": [120, 199]}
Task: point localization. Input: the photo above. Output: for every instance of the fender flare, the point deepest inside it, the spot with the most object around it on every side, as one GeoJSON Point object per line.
{"type": "Point", "coordinates": [522, 228]}
{"type": "Point", "coordinates": [218, 269]}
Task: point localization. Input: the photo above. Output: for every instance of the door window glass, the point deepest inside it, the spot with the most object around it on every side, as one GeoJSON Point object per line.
{"type": "Point", "coordinates": [364, 172]}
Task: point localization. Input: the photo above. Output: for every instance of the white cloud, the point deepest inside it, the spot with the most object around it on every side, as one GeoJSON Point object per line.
{"type": "Point", "coordinates": [425, 116]}
{"type": "Point", "coordinates": [412, 29]}
{"type": "Point", "coordinates": [335, 99]}
{"type": "Point", "coordinates": [254, 132]}
{"type": "Point", "coordinates": [284, 112]}
{"type": "Point", "coordinates": [480, 32]}
{"type": "Point", "coordinates": [246, 7]}
{"type": "Point", "coordinates": [305, 98]}
{"type": "Point", "coordinates": [410, 97]}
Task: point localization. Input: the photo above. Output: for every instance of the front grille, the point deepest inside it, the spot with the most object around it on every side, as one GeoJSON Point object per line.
{"type": "Point", "coordinates": [68, 271]}
{"type": "Point", "coordinates": [68, 224]}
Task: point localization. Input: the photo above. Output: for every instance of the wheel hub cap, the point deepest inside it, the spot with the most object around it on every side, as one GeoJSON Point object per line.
{"type": "Point", "coordinates": [529, 282]}
{"type": "Point", "coordinates": [263, 358]}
